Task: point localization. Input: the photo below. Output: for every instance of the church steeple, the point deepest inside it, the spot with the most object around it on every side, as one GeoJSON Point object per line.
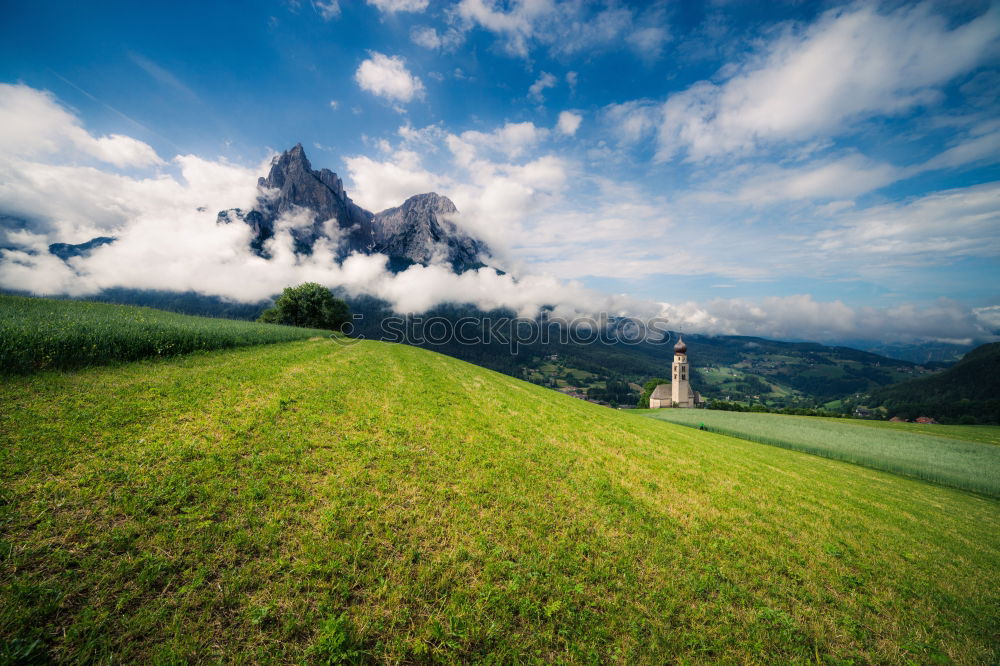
{"type": "Point", "coordinates": [680, 381]}
{"type": "Point", "coordinates": [680, 347]}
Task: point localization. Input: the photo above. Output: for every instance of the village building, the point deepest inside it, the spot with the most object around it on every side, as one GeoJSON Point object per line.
{"type": "Point", "coordinates": [678, 393]}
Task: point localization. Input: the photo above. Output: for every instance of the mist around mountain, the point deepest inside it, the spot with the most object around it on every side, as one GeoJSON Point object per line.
{"type": "Point", "coordinates": [315, 205]}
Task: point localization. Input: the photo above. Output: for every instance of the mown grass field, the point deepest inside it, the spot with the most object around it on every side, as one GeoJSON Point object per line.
{"type": "Point", "coordinates": [39, 333]}
{"type": "Point", "coordinates": [309, 502]}
{"type": "Point", "coordinates": [969, 462]}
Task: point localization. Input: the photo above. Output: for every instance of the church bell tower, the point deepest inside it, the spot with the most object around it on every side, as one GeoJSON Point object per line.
{"type": "Point", "coordinates": [680, 382]}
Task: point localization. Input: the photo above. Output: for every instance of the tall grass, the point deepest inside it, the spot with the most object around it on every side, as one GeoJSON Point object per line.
{"type": "Point", "coordinates": [950, 461]}
{"type": "Point", "coordinates": [42, 333]}
{"type": "Point", "coordinates": [987, 434]}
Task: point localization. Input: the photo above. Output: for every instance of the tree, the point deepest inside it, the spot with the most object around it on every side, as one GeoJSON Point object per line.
{"type": "Point", "coordinates": [308, 305]}
{"type": "Point", "coordinates": [647, 390]}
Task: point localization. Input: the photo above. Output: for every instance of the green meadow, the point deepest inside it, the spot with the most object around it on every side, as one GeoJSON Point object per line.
{"type": "Point", "coordinates": [40, 333]}
{"type": "Point", "coordinates": [970, 461]}
{"type": "Point", "coordinates": [986, 434]}
{"type": "Point", "coordinates": [309, 502]}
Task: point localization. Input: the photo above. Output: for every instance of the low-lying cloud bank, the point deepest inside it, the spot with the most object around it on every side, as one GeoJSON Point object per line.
{"type": "Point", "coordinates": [66, 185]}
{"type": "Point", "coordinates": [800, 317]}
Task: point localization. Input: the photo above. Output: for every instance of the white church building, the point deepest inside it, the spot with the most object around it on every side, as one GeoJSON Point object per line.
{"type": "Point", "coordinates": [678, 392]}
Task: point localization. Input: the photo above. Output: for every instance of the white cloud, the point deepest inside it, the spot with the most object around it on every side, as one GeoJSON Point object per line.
{"type": "Point", "coordinates": [327, 9]}
{"type": "Point", "coordinates": [393, 6]}
{"type": "Point", "coordinates": [855, 62]}
{"type": "Point", "coordinates": [536, 90]}
{"type": "Point", "coordinates": [648, 42]}
{"type": "Point", "coordinates": [334, 104]}
{"type": "Point", "coordinates": [33, 124]}
{"type": "Point", "coordinates": [430, 38]}
{"type": "Point", "coordinates": [569, 122]}
{"type": "Point", "coordinates": [426, 37]}
{"type": "Point", "coordinates": [981, 145]}
{"type": "Point", "coordinates": [511, 140]}
{"type": "Point", "coordinates": [565, 28]}
{"type": "Point", "coordinates": [841, 178]}
{"type": "Point", "coordinates": [381, 185]}
{"type": "Point", "coordinates": [632, 121]}
{"type": "Point", "coordinates": [942, 226]}
{"type": "Point", "coordinates": [800, 316]}
{"type": "Point", "coordinates": [387, 76]}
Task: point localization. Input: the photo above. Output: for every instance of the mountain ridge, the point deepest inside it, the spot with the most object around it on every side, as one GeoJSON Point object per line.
{"type": "Point", "coordinates": [968, 391]}
{"type": "Point", "coordinates": [418, 231]}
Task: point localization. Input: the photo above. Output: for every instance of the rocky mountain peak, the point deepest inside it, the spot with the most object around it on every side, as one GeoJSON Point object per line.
{"type": "Point", "coordinates": [421, 230]}
{"type": "Point", "coordinates": [418, 231]}
{"type": "Point", "coordinates": [298, 185]}
{"type": "Point", "coordinates": [292, 185]}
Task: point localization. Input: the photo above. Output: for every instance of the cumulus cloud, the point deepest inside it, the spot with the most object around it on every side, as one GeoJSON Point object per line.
{"type": "Point", "coordinates": [393, 6]}
{"type": "Point", "coordinates": [855, 62]}
{"type": "Point", "coordinates": [34, 124]}
{"type": "Point", "coordinates": [537, 89]}
{"type": "Point", "coordinates": [387, 76]}
{"type": "Point", "coordinates": [511, 140]}
{"type": "Point", "coordinates": [569, 123]}
{"type": "Point", "coordinates": [386, 184]}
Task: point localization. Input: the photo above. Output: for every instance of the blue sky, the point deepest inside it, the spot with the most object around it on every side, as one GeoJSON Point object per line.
{"type": "Point", "coordinates": [760, 167]}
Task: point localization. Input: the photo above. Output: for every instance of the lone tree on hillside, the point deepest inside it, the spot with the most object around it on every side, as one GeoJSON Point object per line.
{"type": "Point", "coordinates": [308, 305]}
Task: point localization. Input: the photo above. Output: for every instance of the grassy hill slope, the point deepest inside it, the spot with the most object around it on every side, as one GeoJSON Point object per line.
{"type": "Point", "coordinates": [306, 501]}
{"type": "Point", "coordinates": [40, 333]}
